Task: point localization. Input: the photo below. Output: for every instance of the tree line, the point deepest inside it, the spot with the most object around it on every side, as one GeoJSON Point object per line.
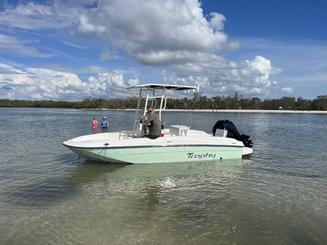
{"type": "Point", "coordinates": [197, 102]}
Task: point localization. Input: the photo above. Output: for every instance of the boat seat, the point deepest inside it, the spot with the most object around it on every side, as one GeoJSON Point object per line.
{"type": "Point", "coordinates": [123, 135]}
{"type": "Point", "coordinates": [179, 130]}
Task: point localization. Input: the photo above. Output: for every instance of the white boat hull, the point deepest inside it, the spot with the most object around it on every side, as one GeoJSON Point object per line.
{"type": "Point", "coordinates": [196, 146]}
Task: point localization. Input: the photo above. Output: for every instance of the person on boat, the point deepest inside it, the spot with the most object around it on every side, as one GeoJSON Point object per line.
{"type": "Point", "coordinates": [104, 124]}
{"type": "Point", "coordinates": [152, 123]}
{"type": "Point", "coordinates": [94, 124]}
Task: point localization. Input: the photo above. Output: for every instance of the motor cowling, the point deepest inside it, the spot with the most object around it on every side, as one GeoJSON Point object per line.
{"type": "Point", "coordinates": [232, 132]}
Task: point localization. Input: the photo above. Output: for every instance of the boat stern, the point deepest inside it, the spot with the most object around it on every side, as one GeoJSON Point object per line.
{"type": "Point", "coordinates": [247, 151]}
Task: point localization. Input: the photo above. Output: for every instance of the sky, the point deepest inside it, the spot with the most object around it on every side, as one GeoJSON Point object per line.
{"type": "Point", "coordinates": [73, 50]}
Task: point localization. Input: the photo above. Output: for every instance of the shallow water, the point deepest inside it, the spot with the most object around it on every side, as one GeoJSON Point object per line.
{"type": "Point", "coordinates": [48, 195]}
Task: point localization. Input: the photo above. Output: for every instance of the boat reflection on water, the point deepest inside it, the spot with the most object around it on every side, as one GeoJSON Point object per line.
{"type": "Point", "coordinates": [96, 171]}
{"type": "Point", "coordinates": [90, 171]}
{"type": "Point", "coordinates": [149, 190]}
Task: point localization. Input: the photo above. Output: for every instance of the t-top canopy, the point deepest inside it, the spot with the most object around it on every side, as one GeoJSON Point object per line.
{"type": "Point", "coordinates": [165, 86]}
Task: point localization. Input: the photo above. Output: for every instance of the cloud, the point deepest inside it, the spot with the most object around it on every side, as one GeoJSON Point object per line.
{"type": "Point", "coordinates": [170, 35]}
{"type": "Point", "coordinates": [11, 44]}
{"type": "Point", "coordinates": [155, 32]}
{"type": "Point", "coordinates": [218, 76]}
{"type": "Point", "coordinates": [217, 21]}
{"type": "Point", "coordinates": [133, 81]}
{"type": "Point", "coordinates": [287, 90]}
{"type": "Point", "coordinates": [108, 55]}
{"type": "Point", "coordinates": [42, 83]}
{"type": "Point", "coordinates": [305, 74]}
{"type": "Point", "coordinates": [8, 69]}
{"type": "Point", "coordinates": [86, 27]}
{"type": "Point", "coordinates": [33, 16]}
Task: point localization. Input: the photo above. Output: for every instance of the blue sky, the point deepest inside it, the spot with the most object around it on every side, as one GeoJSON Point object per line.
{"type": "Point", "coordinates": [80, 49]}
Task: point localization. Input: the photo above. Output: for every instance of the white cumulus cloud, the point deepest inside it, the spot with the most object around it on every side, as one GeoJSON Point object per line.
{"type": "Point", "coordinates": [156, 32]}
{"type": "Point", "coordinates": [287, 90]}
{"type": "Point", "coordinates": [172, 35]}
{"type": "Point", "coordinates": [218, 76]}
{"type": "Point", "coordinates": [42, 83]}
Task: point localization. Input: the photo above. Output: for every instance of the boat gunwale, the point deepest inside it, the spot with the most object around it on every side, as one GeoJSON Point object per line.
{"type": "Point", "coordinates": [149, 146]}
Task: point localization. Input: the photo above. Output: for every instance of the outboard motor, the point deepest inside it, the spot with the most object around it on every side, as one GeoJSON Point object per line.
{"type": "Point", "coordinates": [232, 132]}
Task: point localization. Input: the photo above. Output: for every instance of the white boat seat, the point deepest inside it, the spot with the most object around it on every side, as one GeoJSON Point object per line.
{"type": "Point", "coordinates": [123, 134]}
{"type": "Point", "coordinates": [179, 130]}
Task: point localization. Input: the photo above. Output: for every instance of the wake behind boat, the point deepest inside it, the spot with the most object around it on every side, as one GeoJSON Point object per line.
{"type": "Point", "coordinates": [178, 143]}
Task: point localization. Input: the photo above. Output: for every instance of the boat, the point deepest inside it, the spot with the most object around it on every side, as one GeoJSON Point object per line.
{"type": "Point", "coordinates": [177, 143]}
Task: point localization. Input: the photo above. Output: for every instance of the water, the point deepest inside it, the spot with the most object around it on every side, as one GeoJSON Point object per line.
{"type": "Point", "coordinates": [48, 195]}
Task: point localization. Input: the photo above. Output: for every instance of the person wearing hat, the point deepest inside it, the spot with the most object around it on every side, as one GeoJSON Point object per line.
{"type": "Point", "coordinates": [104, 124]}
{"type": "Point", "coordinates": [152, 123]}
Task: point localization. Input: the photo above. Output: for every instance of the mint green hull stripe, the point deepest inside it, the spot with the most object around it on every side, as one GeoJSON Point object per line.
{"type": "Point", "coordinates": [161, 154]}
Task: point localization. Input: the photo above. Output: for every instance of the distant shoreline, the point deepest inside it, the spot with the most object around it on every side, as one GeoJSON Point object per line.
{"type": "Point", "coordinates": [221, 110]}
{"type": "Point", "coordinates": [187, 110]}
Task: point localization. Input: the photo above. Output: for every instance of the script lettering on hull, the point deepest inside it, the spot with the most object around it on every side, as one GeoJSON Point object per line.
{"type": "Point", "coordinates": [191, 155]}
